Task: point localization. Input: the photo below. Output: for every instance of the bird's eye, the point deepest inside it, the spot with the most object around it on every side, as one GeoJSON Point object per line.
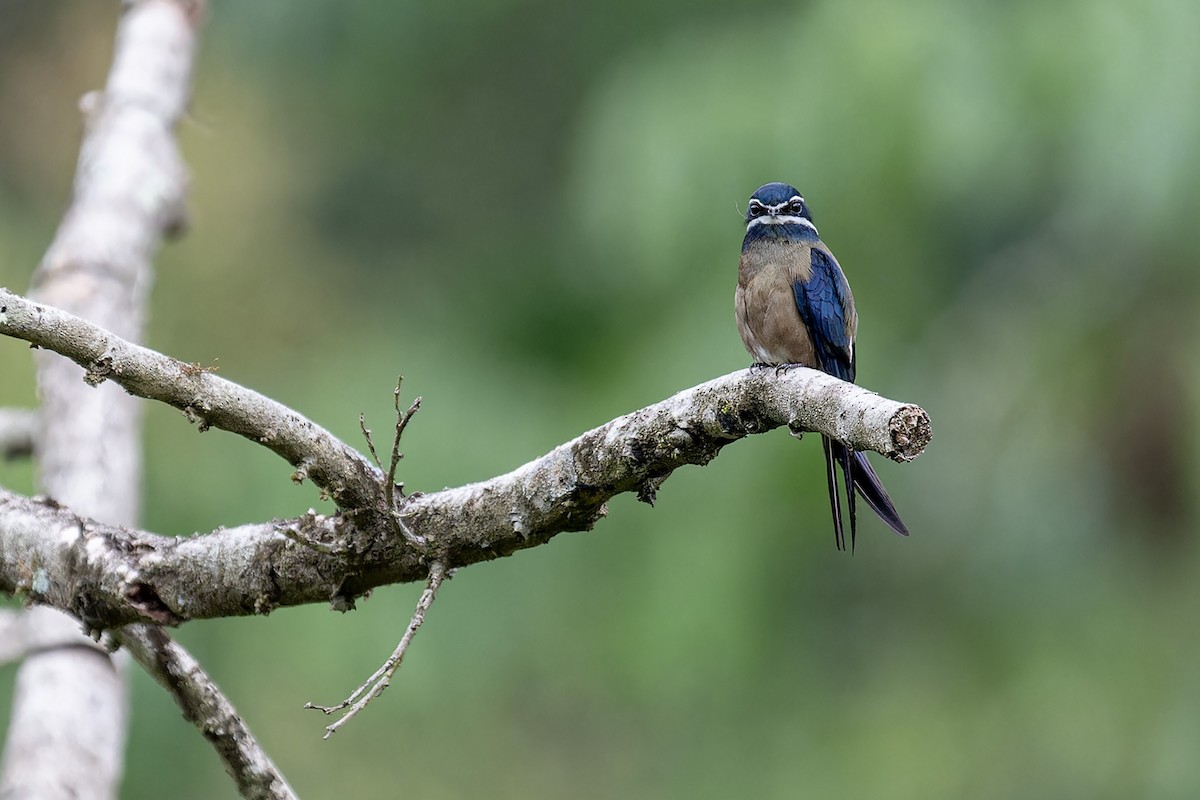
{"type": "Point", "coordinates": [756, 208]}
{"type": "Point", "coordinates": [797, 204]}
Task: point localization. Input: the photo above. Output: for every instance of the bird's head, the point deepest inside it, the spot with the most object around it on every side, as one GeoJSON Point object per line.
{"type": "Point", "coordinates": [777, 204]}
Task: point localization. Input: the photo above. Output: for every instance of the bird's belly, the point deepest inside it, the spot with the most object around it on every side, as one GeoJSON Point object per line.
{"type": "Point", "coordinates": [767, 319]}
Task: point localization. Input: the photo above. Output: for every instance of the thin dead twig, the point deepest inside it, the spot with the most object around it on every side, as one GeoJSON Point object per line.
{"type": "Point", "coordinates": [382, 677]}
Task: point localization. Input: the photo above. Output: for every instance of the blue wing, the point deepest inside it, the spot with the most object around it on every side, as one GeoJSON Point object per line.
{"type": "Point", "coordinates": [822, 305]}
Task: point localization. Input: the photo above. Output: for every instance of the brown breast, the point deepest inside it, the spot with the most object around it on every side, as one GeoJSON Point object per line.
{"type": "Point", "coordinates": [765, 307]}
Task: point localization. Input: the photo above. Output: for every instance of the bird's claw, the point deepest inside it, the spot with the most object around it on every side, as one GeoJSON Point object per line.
{"type": "Point", "coordinates": [782, 368]}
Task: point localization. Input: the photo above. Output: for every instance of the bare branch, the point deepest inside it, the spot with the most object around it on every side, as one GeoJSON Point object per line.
{"type": "Point", "coordinates": [381, 678]}
{"type": "Point", "coordinates": [17, 431]}
{"type": "Point", "coordinates": [202, 396]}
{"type": "Point", "coordinates": [109, 576]}
{"type": "Point", "coordinates": [206, 707]}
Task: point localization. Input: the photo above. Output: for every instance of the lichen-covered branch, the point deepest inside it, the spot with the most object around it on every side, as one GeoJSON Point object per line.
{"type": "Point", "coordinates": [567, 488]}
{"type": "Point", "coordinates": [110, 576]}
{"type": "Point", "coordinates": [205, 398]}
{"type": "Point", "coordinates": [204, 705]}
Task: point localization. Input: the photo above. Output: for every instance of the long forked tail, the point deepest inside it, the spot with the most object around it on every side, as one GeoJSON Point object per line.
{"type": "Point", "coordinates": [857, 472]}
{"type": "Point", "coordinates": [871, 489]}
{"type": "Point", "coordinates": [832, 460]}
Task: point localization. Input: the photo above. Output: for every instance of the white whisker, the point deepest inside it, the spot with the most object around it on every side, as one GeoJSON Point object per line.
{"type": "Point", "coordinates": [784, 220]}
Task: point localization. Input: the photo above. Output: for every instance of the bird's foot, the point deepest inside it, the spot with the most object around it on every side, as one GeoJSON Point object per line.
{"type": "Point", "coordinates": [758, 366]}
{"type": "Point", "coordinates": [782, 368]}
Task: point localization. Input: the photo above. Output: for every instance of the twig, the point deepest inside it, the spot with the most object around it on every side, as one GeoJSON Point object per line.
{"type": "Point", "coordinates": [205, 706]}
{"type": "Point", "coordinates": [366, 432]}
{"type": "Point", "coordinates": [402, 419]}
{"type": "Point", "coordinates": [389, 489]}
{"type": "Point", "coordinates": [382, 677]}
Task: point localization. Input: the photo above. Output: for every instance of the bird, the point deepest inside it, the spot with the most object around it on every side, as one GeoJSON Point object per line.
{"type": "Point", "coordinates": [793, 306]}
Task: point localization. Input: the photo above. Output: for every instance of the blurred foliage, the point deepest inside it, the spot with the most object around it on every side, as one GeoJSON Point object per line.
{"type": "Point", "coordinates": [529, 208]}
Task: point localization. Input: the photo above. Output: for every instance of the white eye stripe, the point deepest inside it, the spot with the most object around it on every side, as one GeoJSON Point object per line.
{"type": "Point", "coordinates": [787, 219]}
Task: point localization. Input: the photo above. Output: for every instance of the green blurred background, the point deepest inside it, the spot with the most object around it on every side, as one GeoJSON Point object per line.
{"type": "Point", "coordinates": [529, 208]}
